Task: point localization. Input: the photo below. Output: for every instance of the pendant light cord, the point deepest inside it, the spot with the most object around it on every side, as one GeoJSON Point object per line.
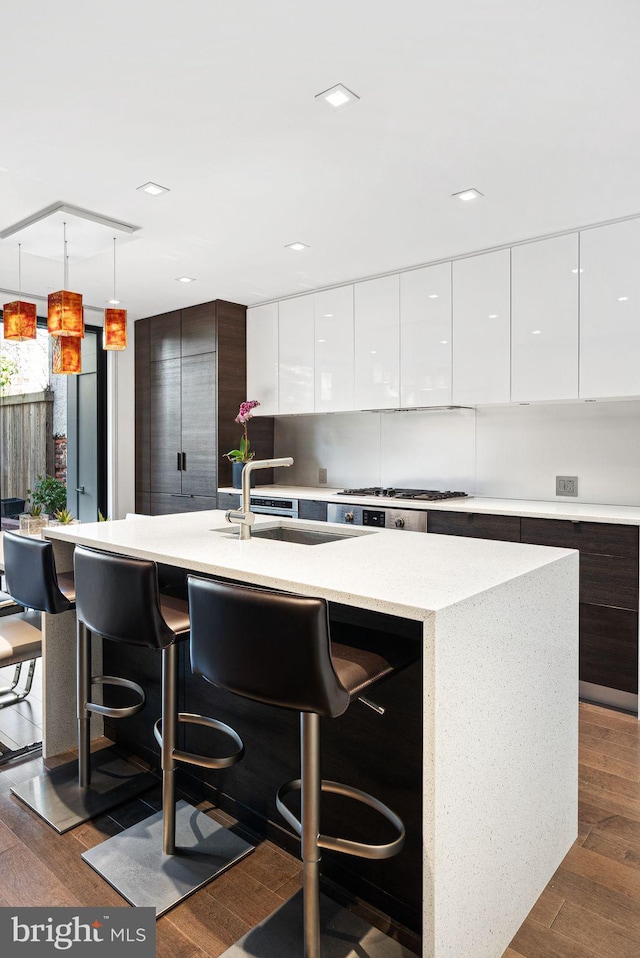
{"type": "Point", "coordinates": [114, 271]}
{"type": "Point", "coordinates": [19, 270]}
{"type": "Point", "coordinates": [66, 258]}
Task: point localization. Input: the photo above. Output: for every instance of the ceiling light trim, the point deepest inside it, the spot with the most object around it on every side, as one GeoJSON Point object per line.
{"type": "Point", "coordinates": [72, 210]}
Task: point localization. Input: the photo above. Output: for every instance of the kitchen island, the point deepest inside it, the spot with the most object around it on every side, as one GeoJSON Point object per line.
{"type": "Point", "coordinates": [499, 633]}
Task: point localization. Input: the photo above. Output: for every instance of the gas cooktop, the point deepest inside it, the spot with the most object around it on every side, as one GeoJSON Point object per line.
{"type": "Point", "coordinates": [427, 495]}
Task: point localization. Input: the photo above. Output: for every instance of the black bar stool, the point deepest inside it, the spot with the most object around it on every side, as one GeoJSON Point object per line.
{"type": "Point", "coordinates": [62, 796]}
{"type": "Point", "coordinates": [163, 859]}
{"type": "Point", "coordinates": [276, 648]}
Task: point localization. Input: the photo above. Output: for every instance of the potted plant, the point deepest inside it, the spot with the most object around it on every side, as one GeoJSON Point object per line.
{"type": "Point", "coordinates": [64, 517]}
{"type": "Point", "coordinates": [243, 454]}
{"type": "Point", "coordinates": [48, 496]}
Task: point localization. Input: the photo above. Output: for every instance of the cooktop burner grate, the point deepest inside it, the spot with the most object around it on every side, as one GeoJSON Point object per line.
{"type": "Point", "coordinates": [427, 495]}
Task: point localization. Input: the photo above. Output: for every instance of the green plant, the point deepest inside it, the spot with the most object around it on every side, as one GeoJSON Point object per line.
{"type": "Point", "coordinates": [102, 518]}
{"type": "Point", "coordinates": [36, 511]}
{"type": "Point", "coordinates": [64, 516]}
{"type": "Point", "coordinates": [8, 369]}
{"type": "Point", "coordinates": [49, 493]}
{"type": "Point", "coordinates": [243, 452]}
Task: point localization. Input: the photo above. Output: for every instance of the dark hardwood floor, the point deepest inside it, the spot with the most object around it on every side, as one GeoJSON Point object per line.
{"type": "Point", "coordinates": [590, 908]}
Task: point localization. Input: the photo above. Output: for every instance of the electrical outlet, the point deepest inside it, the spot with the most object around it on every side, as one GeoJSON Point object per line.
{"type": "Point", "coordinates": [566, 485]}
{"type": "Point", "coordinates": [322, 477]}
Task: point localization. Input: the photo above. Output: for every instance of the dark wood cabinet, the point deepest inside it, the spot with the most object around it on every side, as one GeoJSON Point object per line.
{"type": "Point", "coordinates": [190, 381]}
{"type": "Point", "coordinates": [475, 525]}
{"type": "Point", "coordinates": [608, 595]}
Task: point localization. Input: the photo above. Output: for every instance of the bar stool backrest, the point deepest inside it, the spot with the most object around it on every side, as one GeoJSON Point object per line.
{"type": "Point", "coordinates": [264, 645]}
{"type": "Point", "coordinates": [30, 572]}
{"type": "Point", "coordinates": [117, 597]}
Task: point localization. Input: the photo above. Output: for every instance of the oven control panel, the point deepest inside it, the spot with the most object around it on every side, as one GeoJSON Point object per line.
{"type": "Point", "coordinates": [411, 520]}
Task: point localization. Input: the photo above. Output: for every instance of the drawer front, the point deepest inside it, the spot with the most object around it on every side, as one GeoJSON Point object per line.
{"type": "Point", "coordinates": [311, 509]}
{"type": "Point", "coordinates": [609, 580]}
{"type": "Point", "coordinates": [476, 525]}
{"type": "Point", "coordinates": [597, 537]}
{"type": "Point", "coordinates": [164, 504]}
{"type": "Point", "coordinates": [609, 647]}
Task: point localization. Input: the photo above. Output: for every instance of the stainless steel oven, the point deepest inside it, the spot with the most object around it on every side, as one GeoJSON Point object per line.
{"type": "Point", "coordinates": [270, 506]}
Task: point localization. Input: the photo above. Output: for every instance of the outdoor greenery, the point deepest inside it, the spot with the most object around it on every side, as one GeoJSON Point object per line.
{"type": "Point", "coordinates": [49, 493]}
{"type": "Point", "coordinates": [8, 369]}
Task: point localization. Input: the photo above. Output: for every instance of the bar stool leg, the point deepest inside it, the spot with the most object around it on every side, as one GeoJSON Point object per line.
{"type": "Point", "coordinates": [169, 742]}
{"type": "Point", "coordinates": [84, 717]}
{"type": "Point", "coordinates": [311, 791]}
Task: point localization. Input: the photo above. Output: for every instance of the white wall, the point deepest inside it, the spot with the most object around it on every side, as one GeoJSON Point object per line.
{"type": "Point", "coordinates": [510, 452]}
{"type": "Point", "coordinates": [121, 430]}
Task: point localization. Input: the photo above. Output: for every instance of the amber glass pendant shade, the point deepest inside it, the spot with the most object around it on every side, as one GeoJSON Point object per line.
{"type": "Point", "coordinates": [115, 329]}
{"type": "Point", "coordinates": [65, 317]}
{"type": "Point", "coordinates": [67, 354]}
{"type": "Point", "coordinates": [19, 321]}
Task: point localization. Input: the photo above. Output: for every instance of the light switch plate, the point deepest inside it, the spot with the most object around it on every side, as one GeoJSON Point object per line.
{"type": "Point", "coordinates": [322, 477]}
{"type": "Point", "coordinates": [566, 485]}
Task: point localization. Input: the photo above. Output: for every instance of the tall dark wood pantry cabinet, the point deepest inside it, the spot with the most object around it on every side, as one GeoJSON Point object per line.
{"type": "Point", "coordinates": [190, 380]}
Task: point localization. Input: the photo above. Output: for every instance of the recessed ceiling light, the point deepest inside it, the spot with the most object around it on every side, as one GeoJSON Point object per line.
{"type": "Point", "coordinates": [576, 270]}
{"type": "Point", "coordinates": [322, 340]}
{"type": "Point", "coordinates": [153, 189]}
{"type": "Point", "coordinates": [113, 302]}
{"type": "Point", "coordinates": [622, 299]}
{"type": "Point", "coordinates": [185, 279]}
{"type": "Point", "coordinates": [374, 352]}
{"type": "Point", "coordinates": [328, 315]}
{"type": "Point", "coordinates": [3, 169]}
{"type": "Point", "coordinates": [443, 342]}
{"type": "Point", "coordinates": [493, 316]}
{"type": "Point", "coordinates": [433, 295]}
{"type": "Point", "coordinates": [467, 195]}
{"type": "Point", "coordinates": [535, 332]}
{"type": "Point", "coordinates": [337, 96]}
{"type": "Point", "coordinates": [296, 246]}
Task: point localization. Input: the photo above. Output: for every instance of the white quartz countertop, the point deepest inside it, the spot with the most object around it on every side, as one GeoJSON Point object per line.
{"type": "Point", "coordinates": [412, 575]}
{"type": "Point", "coordinates": [533, 508]}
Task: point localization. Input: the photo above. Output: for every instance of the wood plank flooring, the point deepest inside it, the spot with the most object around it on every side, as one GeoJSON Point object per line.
{"type": "Point", "coordinates": [590, 908]}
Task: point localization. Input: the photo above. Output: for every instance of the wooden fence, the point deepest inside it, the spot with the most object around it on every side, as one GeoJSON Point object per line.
{"type": "Point", "coordinates": [26, 442]}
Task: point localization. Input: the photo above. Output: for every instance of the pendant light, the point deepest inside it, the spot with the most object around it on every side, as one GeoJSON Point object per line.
{"type": "Point", "coordinates": [115, 320]}
{"type": "Point", "coordinates": [65, 316]}
{"type": "Point", "coordinates": [67, 354]}
{"type": "Point", "coordinates": [19, 319]}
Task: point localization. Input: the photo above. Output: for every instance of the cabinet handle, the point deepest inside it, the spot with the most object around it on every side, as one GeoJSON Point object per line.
{"type": "Point", "coordinates": [184, 462]}
{"type": "Point", "coordinates": [179, 460]}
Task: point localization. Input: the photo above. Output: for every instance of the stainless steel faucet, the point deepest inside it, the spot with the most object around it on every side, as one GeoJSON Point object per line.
{"type": "Point", "coordinates": [245, 517]}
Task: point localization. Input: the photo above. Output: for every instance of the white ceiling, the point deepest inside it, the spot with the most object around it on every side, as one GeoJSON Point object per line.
{"type": "Point", "coordinates": [534, 104]}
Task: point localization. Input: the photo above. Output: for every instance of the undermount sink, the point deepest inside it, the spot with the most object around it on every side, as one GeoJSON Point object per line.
{"type": "Point", "coordinates": [304, 537]}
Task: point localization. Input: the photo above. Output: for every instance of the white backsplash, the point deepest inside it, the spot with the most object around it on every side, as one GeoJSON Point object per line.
{"type": "Point", "coordinates": [512, 452]}
{"type": "Point", "coordinates": [430, 450]}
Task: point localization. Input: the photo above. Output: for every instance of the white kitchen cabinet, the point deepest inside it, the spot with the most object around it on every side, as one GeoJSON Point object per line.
{"type": "Point", "coordinates": [481, 329]}
{"type": "Point", "coordinates": [262, 358]}
{"type": "Point", "coordinates": [296, 355]}
{"type": "Point", "coordinates": [377, 343]}
{"type": "Point", "coordinates": [544, 319]}
{"type": "Point", "coordinates": [334, 350]}
{"type": "Point", "coordinates": [610, 311]}
{"type": "Point", "coordinates": [425, 336]}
